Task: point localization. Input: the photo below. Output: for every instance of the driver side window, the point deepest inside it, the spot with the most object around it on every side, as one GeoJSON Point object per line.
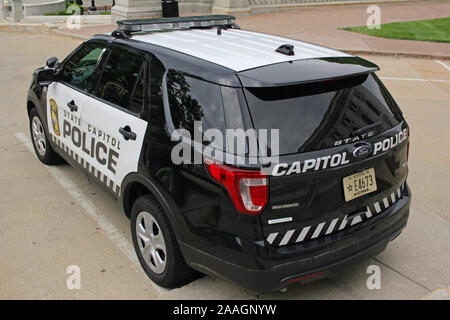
{"type": "Point", "coordinates": [80, 70]}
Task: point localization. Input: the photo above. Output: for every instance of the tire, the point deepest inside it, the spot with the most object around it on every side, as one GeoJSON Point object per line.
{"type": "Point", "coordinates": [41, 144]}
{"type": "Point", "coordinates": [161, 257]}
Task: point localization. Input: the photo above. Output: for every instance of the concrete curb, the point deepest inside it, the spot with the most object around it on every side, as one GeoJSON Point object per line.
{"type": "Point", "coordinates": [71, 36]}
{"type": "Point", "coordinates": [396, 54]}
{"type": "Point", "coordinates": [43, 28]}
{"type": "Point", "coordinates": [83, 19]}
{"type": "Point", "coordinates": [28, 27]}
{"type": "Point", "coordinates": [275, 8]}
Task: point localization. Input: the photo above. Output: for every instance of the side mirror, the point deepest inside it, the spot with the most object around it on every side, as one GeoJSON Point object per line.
{"type": "Point", "coordinates": [51, 62]}
{"type": "Point", "coordinates": [45, 76]}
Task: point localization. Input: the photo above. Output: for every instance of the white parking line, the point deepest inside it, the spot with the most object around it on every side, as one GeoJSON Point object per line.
{"type": "Point", "coordinates": [443, 64]}
{"type": "Point", "coordinates": [80, 198]}
{"type": "Point", "coordinates": [415, 79]}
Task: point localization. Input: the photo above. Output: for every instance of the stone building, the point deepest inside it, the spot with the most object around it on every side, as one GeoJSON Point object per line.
{"type": "Point", "coordinates": [128, 9]}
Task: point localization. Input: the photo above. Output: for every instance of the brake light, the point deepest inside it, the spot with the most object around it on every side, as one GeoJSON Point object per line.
{"type": "Point", "coordinates": [248, 189]}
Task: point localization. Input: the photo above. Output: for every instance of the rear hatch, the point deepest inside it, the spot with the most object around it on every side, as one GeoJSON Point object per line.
{"type": "Point", "coordinates": [342, 154]}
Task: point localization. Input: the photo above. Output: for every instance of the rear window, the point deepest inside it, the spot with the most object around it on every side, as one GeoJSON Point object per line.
{"type": "Point", "coordinates": [316, 115]}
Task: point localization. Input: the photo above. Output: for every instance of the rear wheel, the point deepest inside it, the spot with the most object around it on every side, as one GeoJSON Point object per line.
{"type": "Point", "coordinates": [156, 246]}
{"type": "Point", "coordinates": [41, 144]}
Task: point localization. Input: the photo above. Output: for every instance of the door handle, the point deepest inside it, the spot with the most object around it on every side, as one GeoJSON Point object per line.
{"type": "Point", "coordinates": [127, 133]}
{"type": "Point", "coordinates": [72, 106]}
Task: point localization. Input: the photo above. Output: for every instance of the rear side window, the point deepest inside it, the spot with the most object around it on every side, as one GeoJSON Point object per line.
{"type": "Point", "coordinates": [314, 116]}
{"type": "Point", "coordinates": [191, 99]}
{"type": "Point", "coordinates": [122, 80]}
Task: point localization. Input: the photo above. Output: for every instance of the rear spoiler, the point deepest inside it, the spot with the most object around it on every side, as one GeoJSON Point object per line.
{"type": "Point", "coordinates": [306, 71]}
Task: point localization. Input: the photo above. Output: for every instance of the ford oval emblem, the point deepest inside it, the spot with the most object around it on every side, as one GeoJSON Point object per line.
{"type": "Point", "coordinates": [362, 150]}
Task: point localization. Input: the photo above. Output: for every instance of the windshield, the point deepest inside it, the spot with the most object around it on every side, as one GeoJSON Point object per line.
{"type": "Point", "coordinates": [320, 115]}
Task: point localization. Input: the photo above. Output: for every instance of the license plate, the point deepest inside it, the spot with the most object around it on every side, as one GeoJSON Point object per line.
{"type": "Point", "coordinates": [359, 184]}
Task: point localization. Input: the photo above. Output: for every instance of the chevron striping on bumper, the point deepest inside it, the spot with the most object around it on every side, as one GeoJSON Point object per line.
{"type": "Point", "coordinates": [271, 237]}
{"type": "Point", "coordinates": [95, 172]}
{"type": "Point", "coordinates": [377, 207]}
{"type": "Point", "coordinates": [356, 220]}
{"type": "Point", "coordinates": [287, 237]}
{"type": "Point", "coordinates": [386, 203]}
{"type": "Point", "coordinates": [317, 231]}
{"type": "Point", "coordinates": [368, 212]}
{"type": "Point", "coordinates": [302, 234]}
{"type": "Point", "coordinates": [393, 197]}
{"type": "Point", "coordinates": [345, 222]}
{"type": "Point", "coordinates": [331, 226]}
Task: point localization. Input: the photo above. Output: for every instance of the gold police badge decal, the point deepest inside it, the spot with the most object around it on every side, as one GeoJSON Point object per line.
{"type": "Point", "coordinates": [54, 113]}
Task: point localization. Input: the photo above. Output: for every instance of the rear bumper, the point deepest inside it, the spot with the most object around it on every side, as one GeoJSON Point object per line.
{"type": "Point", "coordinates": [280, 267]}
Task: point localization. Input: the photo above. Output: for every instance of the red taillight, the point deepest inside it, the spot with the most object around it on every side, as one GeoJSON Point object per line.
{"type": "Point", "coordinates": [248, 189]}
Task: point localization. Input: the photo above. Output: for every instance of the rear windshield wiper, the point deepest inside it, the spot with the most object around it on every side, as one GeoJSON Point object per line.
{"type": "Point", "coordinates": [365, 129]}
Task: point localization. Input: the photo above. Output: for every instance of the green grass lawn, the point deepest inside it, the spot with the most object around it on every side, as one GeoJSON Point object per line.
{"type": "Point", "coordinates": [425, 30]}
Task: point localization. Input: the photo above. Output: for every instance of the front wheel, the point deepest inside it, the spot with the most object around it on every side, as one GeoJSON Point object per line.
{"type": "Point", "coordinates": [41, 144]}
{"type": "Point", "coordinates": [156, 246]}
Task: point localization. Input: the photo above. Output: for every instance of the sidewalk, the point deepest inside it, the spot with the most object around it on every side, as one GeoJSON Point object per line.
{"type": "Point", "coordinates": [320, 25]}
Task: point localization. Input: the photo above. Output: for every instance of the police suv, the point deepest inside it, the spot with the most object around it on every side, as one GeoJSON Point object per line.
{"type": "Point", "coordinates": [325, 191]}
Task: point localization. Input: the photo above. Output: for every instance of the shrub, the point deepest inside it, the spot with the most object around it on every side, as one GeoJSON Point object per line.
{"type": "Point", "coordinates": [74, 3]}
{"type": "Point", "coordinates": [65, 12]}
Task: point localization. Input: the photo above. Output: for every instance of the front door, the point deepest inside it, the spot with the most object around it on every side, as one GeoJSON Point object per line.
{"type": "Point", "coordinates": [66, 98]}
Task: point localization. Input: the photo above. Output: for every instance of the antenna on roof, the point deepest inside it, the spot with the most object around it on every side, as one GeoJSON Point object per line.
{"type": "Point", "coordinates": [287, 49]}
{"type": "Point", "coordinates": [174, 23]}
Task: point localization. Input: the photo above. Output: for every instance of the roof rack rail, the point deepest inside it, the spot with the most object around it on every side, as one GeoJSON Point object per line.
{"type": "Point", "coordinates": [176, 23]}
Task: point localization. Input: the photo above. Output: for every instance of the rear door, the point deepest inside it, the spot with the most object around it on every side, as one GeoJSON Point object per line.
{"type": "Point", "coordinates": [114, 117]}
{"type": "Point", "coordinates": [342, 155]}
{"type": "Point", "coordinates": [66, 96]}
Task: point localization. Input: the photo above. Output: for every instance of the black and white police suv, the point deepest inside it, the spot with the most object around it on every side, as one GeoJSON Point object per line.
{"type": "Point", "coordinates": [329, 191]}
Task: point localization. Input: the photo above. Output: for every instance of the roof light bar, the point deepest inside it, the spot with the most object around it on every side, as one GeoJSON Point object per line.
{"type": "Point", "coordinates": [148, 25]}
